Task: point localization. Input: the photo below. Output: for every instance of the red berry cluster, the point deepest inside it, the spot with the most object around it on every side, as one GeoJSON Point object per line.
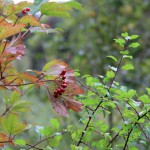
{"type": "Point", "coordinates": [61, 89]}
{"type": "Point", "coordinates": [25, 10]}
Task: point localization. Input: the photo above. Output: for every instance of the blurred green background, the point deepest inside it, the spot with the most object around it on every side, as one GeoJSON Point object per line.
{"type": "Point", "coordinates": [87, 38]}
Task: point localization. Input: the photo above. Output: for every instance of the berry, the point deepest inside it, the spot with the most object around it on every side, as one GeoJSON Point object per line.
{"type": "Point", "coordinates": [62, 89]}
{"type": "Point", "coordinates": [63, 78]}
{"type": "Point", "coordinates": [27, 9]}
{"type": "Point", "coordinates": [55, 92]}
{"type": "Point", "coordinates": [64, 82]}
{"type": "Point", "coordinates": [64, 85]}
{"type": "Point", "coordinates": [23, 11]}
{"type": "Point", "coordinates": [63, 73]}
{"type": "Point", "coordinates": [55, 95]}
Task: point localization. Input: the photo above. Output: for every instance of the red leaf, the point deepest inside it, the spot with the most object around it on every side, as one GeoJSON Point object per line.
{"type": "Point", "coordinates": [73, 104]}
{"type": "Point", "coordinates": [17, 51]}
{"type": "Point", "coordinates": [72, 90]}
{"type": "Point", "coordinates": [58, 106]}
{"type": "Point", "coordinates": [5, 139]}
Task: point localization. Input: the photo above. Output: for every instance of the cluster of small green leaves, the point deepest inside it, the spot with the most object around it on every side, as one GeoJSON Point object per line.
{"type": "Point", "coordinates": [115, 116]}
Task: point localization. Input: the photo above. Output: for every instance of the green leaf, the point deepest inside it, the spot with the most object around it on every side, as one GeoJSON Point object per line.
{"type": "Point", "coordinates": [110, 74]}
{"type": "Point", "coordinates": [127, 67]}
{"type": "Point", "coordinates": [127, 56]}
{"type": "Point", "coordinates": [101, 145]}
{"type": "Point", "coordinates": [120, 41]}
{"type": "Point", "coordinates": [20, 142]}
{"type": "Point", "coordinates": [130, 93]}
{"type": "Point", "coordinates": [14, 96]}
{"type": "Point", "coordinates": [55, 9]}
{"type": "Point", "coordinates": [128, 113]}
{"type": "Point", "coordinates": [134, 45]}
{"type": "Point", "coordinates": [20, 106]}
{"type": "Point", "coordinates": [74, 147]}
{"type": "Point", "coordinates": [91, 81]}
{"type": "Point", "coordinates": [54, 123]}
{"type": "Point", "coordinates": [76, 72]}
{"type": "Point", "coordinates": [125, 34]}
{"type": "Point", "coordinates": [76, 135]}
{"type": "Point", "coordinates": [134, 37]}
{"type": "Point", "coordinates": [113, 58]}
{"type": "Point", "coordinates": [54, 142]}
{"type": "Point", "coordinates": [11, 124]}
{"type": "Point", "coordinates": [74, 4]}
{"type": "Point", "coordinates": [148, 90]}
{"type": "Point", "coordinates": [144, 98]}
{"type": "Point", "coordinates": [46, 131]}
{"type": "Point", "coordinates": [126, 52]}
{"type": "Point", "coordinates": [104, 128]}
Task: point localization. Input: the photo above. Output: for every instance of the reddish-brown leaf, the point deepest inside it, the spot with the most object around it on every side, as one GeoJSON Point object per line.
{"type": "Point", "coordinates": [16, 51]}
{"type": "Point", "coordinates": [32, 78]}
{"type": "Point", "coordinates": [58, 106]}
{"type": "Point", "coordinates": [54, 67]}
{"type": "Point", "coordinates": [73, 104]}
{"type": "Point", "coordinates": [73, 89]}
{"type": "Point", "coordinates": [4, 139]}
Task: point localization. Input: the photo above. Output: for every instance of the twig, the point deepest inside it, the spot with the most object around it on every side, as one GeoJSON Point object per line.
{"type": "Point", "coordinates": [119, 64]}
{"type": "Point", "coordinates": [129, 133]}
{"type": "Point", "coordinates": [142, 130]}
{"type": "Point", "coordinates": [41, 141]}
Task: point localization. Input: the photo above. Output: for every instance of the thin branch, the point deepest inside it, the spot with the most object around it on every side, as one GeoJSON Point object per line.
{"type": "Point", "coordinates": [41, 141]}
{"type": "Point", "coordinates": [130, 129]}
{"type": "Point", "coordinates": [87, 125]}
{"type": "Point", "coordinates": [89, 88]}
{"type": "Point", "coordinates": [119, 64]}
{"type": "Point", "coordinates": [126, 143]}
{"type": "Point", "coordinates": [34, 146]}
{"type": "Point", "coordinates": [133, 109]}
{"type": "Point", "coordinates": [142, 130]}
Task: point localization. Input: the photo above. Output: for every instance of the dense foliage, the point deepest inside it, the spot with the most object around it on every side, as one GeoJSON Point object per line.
{"type": "Point", "coordinates": [113, 116]}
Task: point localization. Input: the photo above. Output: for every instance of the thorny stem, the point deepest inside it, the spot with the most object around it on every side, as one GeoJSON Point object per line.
{"type": "Point", "coordinates": [94, 111]}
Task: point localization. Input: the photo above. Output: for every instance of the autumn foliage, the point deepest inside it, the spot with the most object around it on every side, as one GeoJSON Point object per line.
{"type": "Point", "coordinates": [57, 78]}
